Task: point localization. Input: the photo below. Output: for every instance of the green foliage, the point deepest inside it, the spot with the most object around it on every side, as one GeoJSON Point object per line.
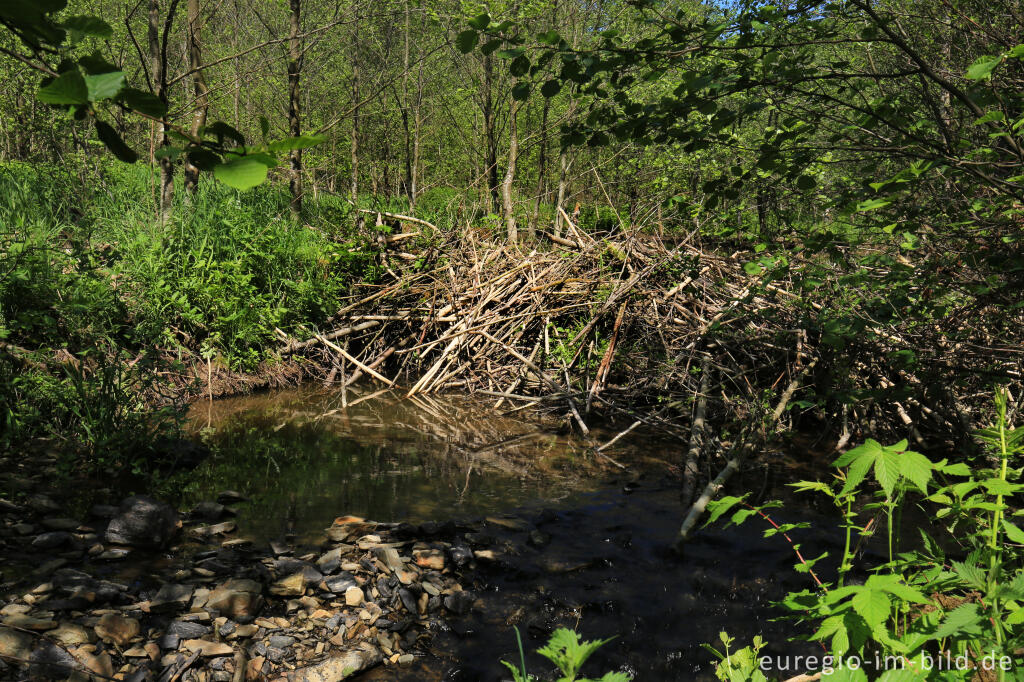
{"type": "Point", "coordinates": [926, 600]}
{"type": "Point", "coordinates": [568, 653]}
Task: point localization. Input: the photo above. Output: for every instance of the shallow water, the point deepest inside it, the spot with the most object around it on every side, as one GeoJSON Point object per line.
{"type": "Point", "coordinates": [604, 569]}
{"type": "Point", "coordinates": [303, 459]}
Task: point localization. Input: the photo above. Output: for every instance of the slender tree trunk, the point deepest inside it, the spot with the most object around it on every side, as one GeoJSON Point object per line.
{"type": "Point", "coordinates": [490, 134]}
{"type": "Point", "coordinates": [354, 151]}
{"type": "Point", "coordinates": [195, 62]}
{"type": "Point", "coordinates": [159, 74]}
{"type": "Point", "coordinates": [563, 180]}
{"type": "Point", "coordinates": [294, 120]}
{"type": "Point", "coordinates": [510, 174]}
{"type": "Point", "coordinates": [542, 169]}
{"type": "Point", "coordinates": [405, 110]}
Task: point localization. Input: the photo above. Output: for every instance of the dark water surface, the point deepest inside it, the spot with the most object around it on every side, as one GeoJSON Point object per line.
{"type": "Point", "coordinates": [603, 566]}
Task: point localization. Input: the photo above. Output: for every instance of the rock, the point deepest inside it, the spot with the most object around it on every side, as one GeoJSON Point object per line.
{"type": "Point", "coordinates": [406, 659]}
{"type": "Point", "coordinates": [429, 558]}
{"type": "Point", "coordinates": [206, 648]}
{"type": "Point", "coordinates": [70, 634]}
{"type": "Point", "coordinates": [329, 562]}
{"type": "Point", "coordinates": [227, 628]}
{"type": "Point", "coordinates": [97, 663]}
{"type": "Point", "coordinates": [6, 506]}
{"type": "Point", "coordinates": [27, 622]}
{"type": "Point", "coordinates": [231, 497]}
{"type": "Point", "coordinates": [339, 583]}
{"type": "Point", "coordinates": [408, 601]}
{"type": "Point", "coordinates": [49, 661]}
{"type": "Point", "coordinates": [281, 641]}
{"type": "Point", "coordinates": [209, 511]}
{"type": "Point", "coordinates": [390, 557]}
{"type": "Point", "coordinates": [171, 597]}
{"type": "Point", "coordinates": [114, 554]}
{"type": "Point", "coordinates": [143, 522]}
{"type": "Point", "coordinates": [368, 541]}
{"type": "Point", "coordinates": [459, 602]}
{"type": "Point", "coordinates": [15, 644]}
{"type": "Point", "coordinates": [43, 504]}
{"type": "Point", "coordinates": [244, 631]}
{"type": "Point", "coordinates": [117, 629]}
{"type": "Point", "coordinates": [169, 641]}
{"type": "Point", "coordinates": [354, 596]}
{"type": "Point", "coordinates": [538, 538]}
{"type": "Point", "coordinates": [185, 630]}
{"type": "Point", "coordinates": [216, 529]}
{"type": "Point", "coordinates": [15, 609]}
{"type": "Point", "coordinates": [236, 598]}
{"type": "Point", "coordinates": [51, 540]}
{"type": "Point", "coordinates": [23, 528]}
{"type": "Point", "coordinates": [60, 524]}
{"type": "Point", "coordinates": [339, 667]}
{"type": "Point", "coordinates": [512, 523]}
{"type": "Point", "coordinates": [292, 586]}
{"type": "Point", "coordinates": [280, 548]}
{"type": "Point", "coordinates": [103, 511]}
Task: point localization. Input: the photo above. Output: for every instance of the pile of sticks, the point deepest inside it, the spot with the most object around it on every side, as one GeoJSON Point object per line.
{"type": "Point", "coordinates": [643, 332]}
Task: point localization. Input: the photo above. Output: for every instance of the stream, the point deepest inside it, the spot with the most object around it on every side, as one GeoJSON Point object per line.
{"type": "Point", "coordinates": [586, 544]}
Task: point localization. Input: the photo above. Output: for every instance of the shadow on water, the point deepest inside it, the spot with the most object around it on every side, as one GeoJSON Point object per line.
{"type": "Point", "coordinates": [588, 547]}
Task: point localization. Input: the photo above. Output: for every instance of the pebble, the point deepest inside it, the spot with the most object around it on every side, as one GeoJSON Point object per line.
{"type": "Point", "coordinates": [354, 596]}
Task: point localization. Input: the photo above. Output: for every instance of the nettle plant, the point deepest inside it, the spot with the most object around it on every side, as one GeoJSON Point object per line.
{"type": "Point", "coordinates": [568, 653]}
{"type": "Point", "coordinates": [948, 609]}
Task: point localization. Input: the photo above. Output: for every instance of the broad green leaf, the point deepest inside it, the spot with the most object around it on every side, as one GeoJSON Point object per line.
{"type": "Point", "coordinates": [871, 205]}
{"type": "Point", "coordinates": [68, 88]}
{"type": "Point", "coordinates": [900, 675]}
{"type": "Point", "coordinates": [551, 88]}
{"type": "Point", "coordinates": [806, 182]}
{"type": "Point", "coordinates": [300, 142]}
{"type": "Point", "coordinates": [480, 22]}
{"type": "Point", "coordinates": [467, 40]}
{"type": "Point", "coordinates": [857, 471]}
{"type": "Point", "coordinates": [982, 67]}
{"type": "Point", "coordinates": [872, 605]}
{"type": "Point", "coordinates": [114, 143]}
{"type": "Point", "coordinates": [963, 620]}
{"type": "Point", "coordinates": [521, 91]}
{"type": "Point", "coordinates": [915, 467]}
{"type": "Point", "coordinates": [243, 172]}
{"type": "Point", "coordinates": [887, 471]}
{"type": "Point", "coordinates": [1014, 533]}
{"type": "Point", "coordinates": [143, 102]}
{"type": "Point", "coordinates": [83, 25]}
{"type": "Point", "coordinates": [104, 85]}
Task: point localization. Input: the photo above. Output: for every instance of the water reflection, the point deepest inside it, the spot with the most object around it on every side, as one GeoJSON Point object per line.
{"type": "Point", "coordinates": [305, 458]}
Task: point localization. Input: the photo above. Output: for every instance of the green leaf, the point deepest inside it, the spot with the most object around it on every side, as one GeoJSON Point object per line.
{"type": "Point", "coordinates": [963, 620]}
{"type": "Point", "coordinates": [872, 605]}
{"type": "Point", "coordinates": [521, 91]}
{"type": "Point", "coordinates": [887, 471]}
{"type": "Point", "coordinates": [857, 471]}
{"type": "Point", "coordinates": [720, 506]}
{"type": "Point", "coordinates": [752, 268]}
{"type": "Point", "coordinates": [243, 172]}
{"type": "Point", "coordinates": [1014, 533]}
{"type": "Point", "coordinates": [143, 102]}
{"type": "Point", "coordinates": [871, 205]}
{"type": "Point", "coordinates": [480, 22]}
{"type": "Point", "coordinates": [551, 88]}
{"type": "Point", "coordinates": [114, 143]}
{"type": "Point", "coordinates": [466, 41]}
{"type": "Point", "coordinates": [83, 25]}
{"type": "Point", "coordinates": [68, 88]}
{"type": "Point", "coordinates": [104, 85]}
{"type": "Point", "coordinates": [982, 67]}
{"type": "Point", "coordinates": [806, 182]}
{"type": "Point", "coordinates": [915, 467]}
{"type": "Point", "coordinates": [300, 142]}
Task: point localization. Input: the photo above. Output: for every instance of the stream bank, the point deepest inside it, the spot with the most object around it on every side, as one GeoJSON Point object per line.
{"type": "Point", "coordinates": [512, 525]}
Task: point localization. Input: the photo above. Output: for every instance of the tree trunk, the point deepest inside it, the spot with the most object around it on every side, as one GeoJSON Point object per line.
{"type": "Point", "coordinates": [294, 121]}
{"type": "Point", "coordinates": [542, 169]}
{"type": "Point", "coordinates": [491, 135]}
{"type": "Point", "coordinates": [201, 91]}
{"type": "Point", "coordinates": [563, 180]}
{"type": "Point", "coordinates": [354, 151]}
{"type": "Point", "coordinates": [158, 64]}
{"type": "Point", "coordinates": [405, 110]}
{"type": "Point", "coordinates": [510, 174]}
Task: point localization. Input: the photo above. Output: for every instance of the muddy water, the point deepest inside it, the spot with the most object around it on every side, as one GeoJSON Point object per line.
{"type": "Point", "coordinates": [586, 545]}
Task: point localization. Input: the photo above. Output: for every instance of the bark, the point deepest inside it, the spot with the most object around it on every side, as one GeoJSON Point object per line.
{"type": "Point", "coordinates": [294, 119]}
{"type": "Point", "coordinates": [510, 174]}
{"type": "Point", "coordinates": [405, 111]}
{"type": "Point", "coordinates": [563, 181]}
{"type": "Point", "coordinates": [200, 89]}
{"type": "Point", "coordinates": [354, 150]}
{"type": "Point", "coordinates": [158, 69]}
{"type": "Point", "coordinates": [490, 134]}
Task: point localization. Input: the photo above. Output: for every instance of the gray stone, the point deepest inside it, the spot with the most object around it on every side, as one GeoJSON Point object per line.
{"type": "Point", "coordinates": [281, 641]}
{"type": "Point", "coordinates": [329, 562]}
{"type": "Point", "coordinates": [339, 583]}
{"type": "Point", "coordinates": [171, 597]}
{"type": "Point", "coordinates": [52, 540]}
{"type": "Point", "coordinates": [185, 630]}
{"type": "Point", "coordinates": [231, 497]}
{"type": "Point", "coordinates": [143, 522]}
